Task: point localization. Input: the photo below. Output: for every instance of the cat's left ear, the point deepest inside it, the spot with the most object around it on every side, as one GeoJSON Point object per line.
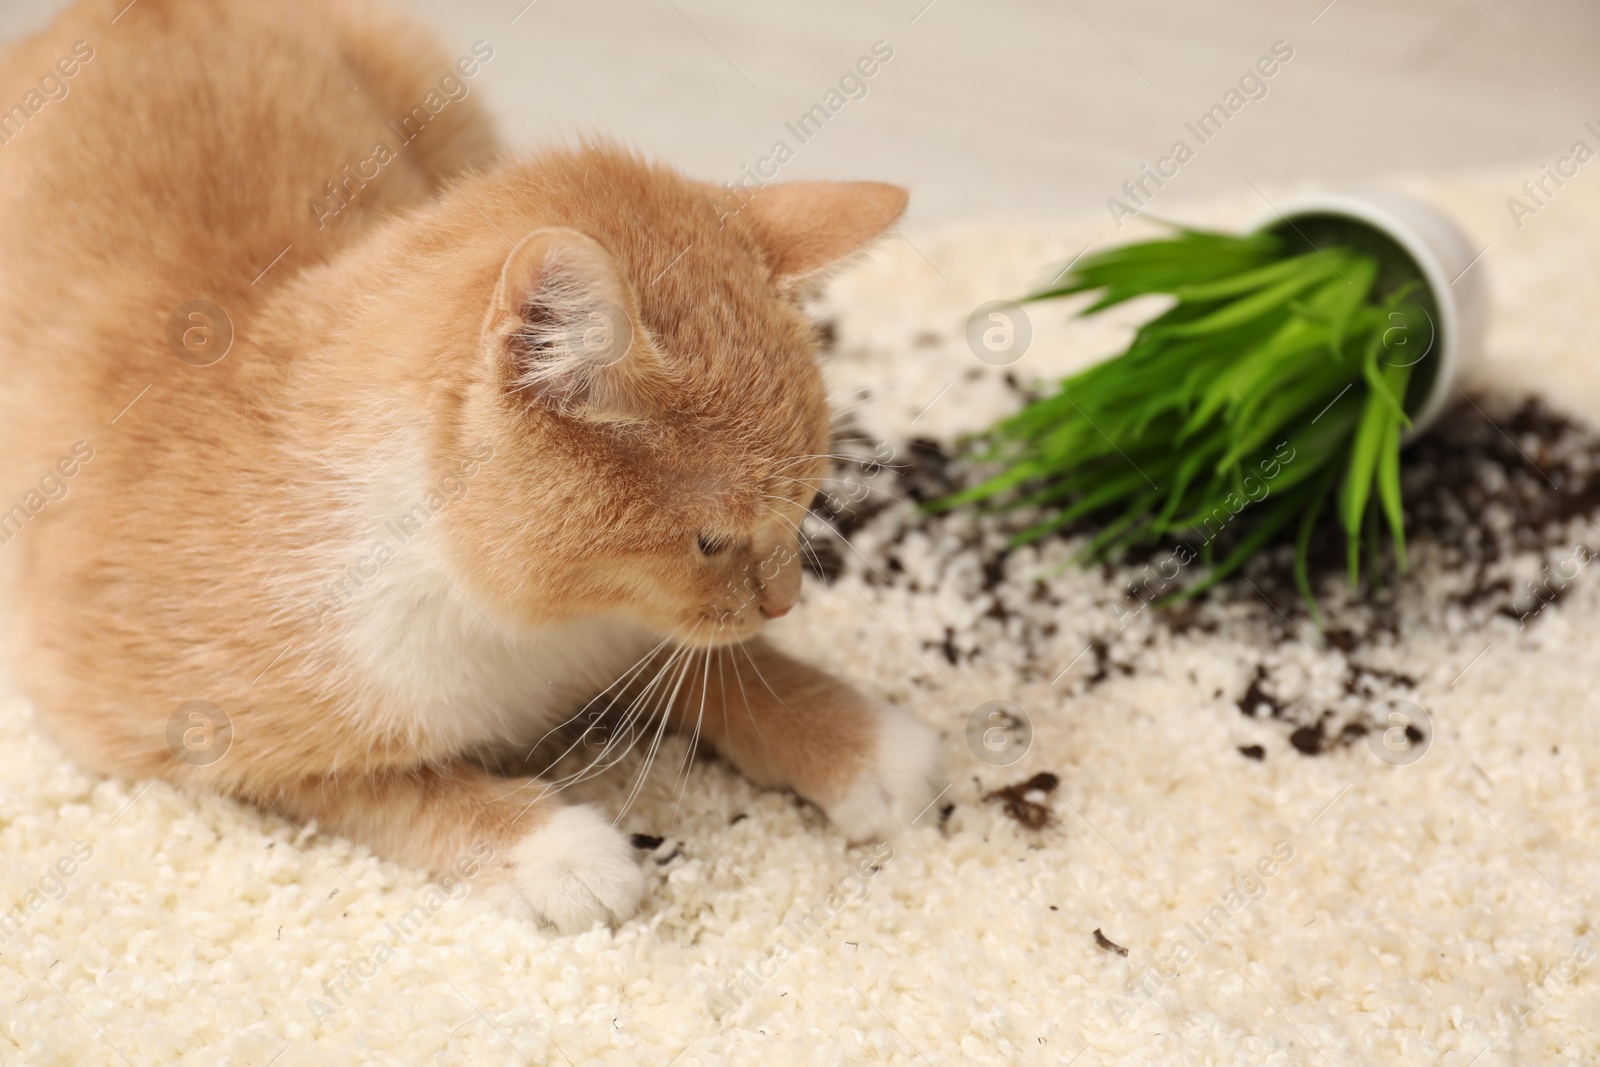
{"type": "Point", "coordinates": [563, 327]}
{"type": "Point", "coordinates": [806, 227]}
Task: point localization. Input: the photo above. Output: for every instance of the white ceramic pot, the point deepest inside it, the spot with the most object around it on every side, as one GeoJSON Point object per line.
{"type": "Point", "coordinates": [1429, 243]}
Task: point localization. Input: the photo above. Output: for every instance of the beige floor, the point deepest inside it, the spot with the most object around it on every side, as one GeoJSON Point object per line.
{"type": "Point", "coordinates": [1426, 905]}
{"type": "Point", "coordinates": [1038, 108]}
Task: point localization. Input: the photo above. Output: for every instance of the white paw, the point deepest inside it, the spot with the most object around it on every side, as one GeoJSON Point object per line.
{"type": "Point", "coordinates": [899, 782]}
{"type": "Point", "coordinates": [575, 870]}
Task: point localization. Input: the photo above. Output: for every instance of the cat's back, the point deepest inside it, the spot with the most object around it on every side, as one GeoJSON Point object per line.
{"type": "Point", "coordinates": [160, 152]}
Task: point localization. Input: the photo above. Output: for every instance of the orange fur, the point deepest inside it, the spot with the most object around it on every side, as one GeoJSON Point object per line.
{"type": "Point", "coordinates": [413, 371]}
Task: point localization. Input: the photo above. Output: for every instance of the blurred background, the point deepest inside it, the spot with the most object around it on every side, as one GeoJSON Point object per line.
{"type": "Point", "coordinates": [1035, 109]}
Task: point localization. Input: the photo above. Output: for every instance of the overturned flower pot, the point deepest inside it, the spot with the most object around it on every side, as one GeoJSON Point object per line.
{"type": "Point", "coordinates": [1413, 241]}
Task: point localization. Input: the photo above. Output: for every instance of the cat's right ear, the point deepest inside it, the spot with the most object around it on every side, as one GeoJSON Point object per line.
{"type": "Point", "coordinates": [805, 229]}
{"type": "Point", "coordinates": [563, 326]}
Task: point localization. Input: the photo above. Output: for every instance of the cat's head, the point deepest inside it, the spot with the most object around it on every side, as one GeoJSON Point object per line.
{"type": "Point", "coordinates": [650, 387]}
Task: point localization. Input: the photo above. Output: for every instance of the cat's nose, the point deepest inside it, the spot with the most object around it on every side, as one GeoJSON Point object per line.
{"type": "Point", "coordinates": [779, 575]}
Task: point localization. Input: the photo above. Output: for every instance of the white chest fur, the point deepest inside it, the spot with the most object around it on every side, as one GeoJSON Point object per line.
{"type": "Point", "coordinates": [442, 668]}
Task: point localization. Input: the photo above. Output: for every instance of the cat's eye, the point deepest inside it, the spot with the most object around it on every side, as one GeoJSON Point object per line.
{"type": "Point", "coordinates": [710, 544]}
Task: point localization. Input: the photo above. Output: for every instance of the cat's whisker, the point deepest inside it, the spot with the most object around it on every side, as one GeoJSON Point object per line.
{"type": "Point", "coordinates": [575, 716]}
{"type": "Point", "coordinates": [722, 693]}
{"type": "Point", "coordinates": [655, 745]}
{"type": "Point", "coordinates": [813, 484]}
{"type": "Point", "coordinates": [781, 499]}
{"type": "Point", "coordinates": [757, 668]}
{"type": "Point", "coordinates": [633, 714]}
{"type": "Point", "coordinates": [794, 460]}
{"type": "Point", "coordinates": [738, 676]}
{"type": "Point", "coordinates": [798, 527]}
{"type": "Point", "coordinates": [694, 738]}
{"type": "Point", "coordinates": [802, 539]}
{"type": "Point", "coordinates": [818, 488]}
{"type": "Point", "coordinates": [648, 703]}
{"type": "Point", "coordinates": [866, 397]}
{"type": "Point", "coordinates": [598, 764]}
{"type": "Point", "coordinates": [556, 785]}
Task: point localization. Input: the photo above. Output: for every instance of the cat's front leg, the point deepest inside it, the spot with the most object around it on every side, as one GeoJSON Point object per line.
{"type": "Point", "coordinates": [786, 724]}
{"type": "Point", "coordinates": [538, 857]}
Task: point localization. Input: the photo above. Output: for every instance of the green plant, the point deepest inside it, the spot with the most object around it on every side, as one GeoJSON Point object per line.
{"type": "Point", "coordinates": [1276, 379]}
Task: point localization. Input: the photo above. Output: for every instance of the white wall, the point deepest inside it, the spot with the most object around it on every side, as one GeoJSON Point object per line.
{"type": "Point", "coordinates": [1037, 108]}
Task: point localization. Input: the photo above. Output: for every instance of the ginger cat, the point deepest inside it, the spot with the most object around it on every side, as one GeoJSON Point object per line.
{"type": "Point", "coordinates": [459, 443]}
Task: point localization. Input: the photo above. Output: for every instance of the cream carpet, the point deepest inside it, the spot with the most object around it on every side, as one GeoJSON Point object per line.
{"type": "Point", "coordinates": [1225, 871]}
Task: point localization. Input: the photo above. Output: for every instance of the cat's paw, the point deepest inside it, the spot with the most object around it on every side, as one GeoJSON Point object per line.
{"type": "Point", "coordinates": [898, 783]}
{"type": "Point", "coordinates": [575, 870]}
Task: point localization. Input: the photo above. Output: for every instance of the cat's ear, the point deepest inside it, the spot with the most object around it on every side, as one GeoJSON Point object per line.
{"type": "Point", "coordinates": [563, 326]}
{"type": "Point", "coordinates": [806, 227]}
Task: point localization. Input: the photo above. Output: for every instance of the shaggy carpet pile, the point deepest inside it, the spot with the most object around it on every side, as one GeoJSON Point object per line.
{"type": "Point", "coordinates": [1209, 835]}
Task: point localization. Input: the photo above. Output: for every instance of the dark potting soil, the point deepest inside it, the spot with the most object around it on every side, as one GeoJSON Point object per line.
{"type": "Point", "coordinates": [1106, 943]}
{"type": "Point", "coordinates": [1017, 803]}
{"type": "Point", "coordinates": [1501, 495]}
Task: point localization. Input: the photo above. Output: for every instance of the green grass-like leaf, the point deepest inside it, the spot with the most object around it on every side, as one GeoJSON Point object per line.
{"type": "Point", "coordinates": [1261, 390]}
